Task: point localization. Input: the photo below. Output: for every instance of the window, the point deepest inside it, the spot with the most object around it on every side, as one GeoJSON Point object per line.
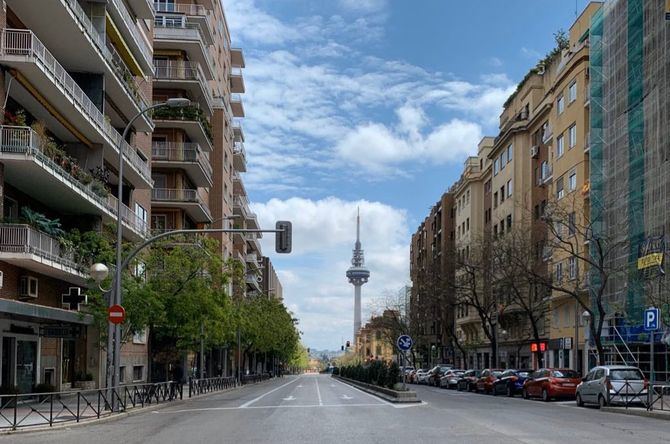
{"type": "Point", "coordinates": [559, 272]}
{"type": "Point", "coordinates": [502, 226]}
{"type": "Point", "coordinates": [509, 221]}
{"type": "Point", "coordinates": [537, 212]}
{"type": "Point", "coordinates": [467, 224]}
{"type": "Point", "coordinates": [495, 200]}
{"type": "Point", "coordinates": [503, 160]}
{"type": "Point", "coordinates": [496, 167]}
{"type": "Point", "coordinates": [502, 194]}
{"type": "Point", "coordinates": [140, 337]}
{"type": "Point", "coordinates": [509, 153]}
{"type": "Point", "coordinates": [560, 104]}
{"type": "Point", "coordinates": [572, 267]}
{"type": "Point", "coordinates": [10, 209]}
{"type": "Point", "coordinates": [571, 224]}
{"type": "Point", "coordinates": [558, 229]}
{"type": "Point", "coordinates": [122, 374]}
{"type": "Point", "coordinates": [560, 147]}
{"type": "Point", "coordinates": [509, 188]}
{"type": "Point", "coordinates": [495, 230]}
{"type": "Point", "coordinates": [159, 222]}
{"type": "Point", "coordinates": [487, 186]}
{"type": "Point", "coordinates": [572, 136]}
{"type": "Point", "coordinates": [572, 180]}
{"type": "Point", "coordinates": [559, 188]}
{"type": "Point", "coordinates": [141, 212]}
{"type": "Point", "coordinates": [572, 92]}
{"type": "Point", "coordinates": [138, 372]}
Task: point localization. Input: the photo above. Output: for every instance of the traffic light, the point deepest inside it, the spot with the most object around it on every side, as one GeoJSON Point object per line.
{"type": "Point", "coordinates": [342, 347]}
{"type": "Point", "coordinates": [348, 344]}
{"type": "Point", "coordinates": [308, 350]}
{"type": "Point", "coordinates": [283, 237]}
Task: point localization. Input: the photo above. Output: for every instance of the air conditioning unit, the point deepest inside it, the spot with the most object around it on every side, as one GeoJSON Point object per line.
{"type": "Point", "coordinates": [534, 151]}
{"type": "Point", "coordinates": [28, 287]}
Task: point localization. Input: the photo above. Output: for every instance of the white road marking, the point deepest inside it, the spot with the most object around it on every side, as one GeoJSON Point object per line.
{"type": "Point", "coordinates": [248, 403]}
{"type": "Point", "coordinates": [298, 386]}
{"type": "Point", "coordinates": [290, 398]}
{"type": "Point", "coordinates": [346, 397]}
{"type": "Point", "coordinates": [318, 392]}
{"type": "Point", "coordinates": [284, 406]}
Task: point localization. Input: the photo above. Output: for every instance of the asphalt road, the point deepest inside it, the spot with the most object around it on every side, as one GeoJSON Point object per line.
{"type": "Point", "coordinates": [318, 409]}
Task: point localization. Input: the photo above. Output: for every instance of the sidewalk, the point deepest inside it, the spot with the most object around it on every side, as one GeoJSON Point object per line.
{"type": "Point", "coordinates": [639, 411]}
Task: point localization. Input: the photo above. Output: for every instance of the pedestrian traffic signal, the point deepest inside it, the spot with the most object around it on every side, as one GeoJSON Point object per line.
{"type": "Point", "coordinates": [342, 347]}
{"type": "Point", "coordinates": [283, 237]}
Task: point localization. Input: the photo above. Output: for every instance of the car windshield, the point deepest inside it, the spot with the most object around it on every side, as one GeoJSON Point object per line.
{"type": "Point", "coordinates": [523, 373]}
{"type": "Point", "coordinates": [497, 373]}
{"type": "Point", "coordinates": [565, 374]}
{"type": "Point", "coordinates": [626, 374]}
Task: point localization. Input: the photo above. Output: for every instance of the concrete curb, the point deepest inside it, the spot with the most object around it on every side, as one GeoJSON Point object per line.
{"type": "Point", "coordinates": [367, 388]}
{"type": "Point", "coordinates": [108, 418]}
{"type": "Point", "coordinates": [638, 412]}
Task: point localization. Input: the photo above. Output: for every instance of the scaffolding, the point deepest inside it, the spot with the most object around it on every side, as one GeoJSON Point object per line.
{"type": "Point", "coordinates": [630, 180]}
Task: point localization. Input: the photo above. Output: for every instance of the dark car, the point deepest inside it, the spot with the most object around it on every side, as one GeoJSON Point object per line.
{"type": "Point", "coordinates": [511, 382]}
{"type": "Point", "coordinates": [468, 380]}
{"type": "Point", "coordinates": [487, 378]}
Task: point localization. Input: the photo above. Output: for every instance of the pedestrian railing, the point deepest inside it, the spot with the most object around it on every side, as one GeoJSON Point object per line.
{"type": "Point", "coordinates": [206, 385]}
{"type": "Point", "coordinates": [628, 395]}
{"type": "Point", "coordinates": [659, 397]}
{"type": "Point", "coordinates": [251, 379]}
{"type": "Point", "coordinates": [42, 409]}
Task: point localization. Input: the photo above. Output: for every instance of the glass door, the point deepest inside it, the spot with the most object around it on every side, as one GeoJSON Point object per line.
{"type": "Point", "coordinates": [26, 365]}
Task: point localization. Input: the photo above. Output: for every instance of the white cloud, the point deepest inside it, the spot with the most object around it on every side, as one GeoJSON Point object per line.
{"type": "Point", "coordinates": [313, 275]}
{"type": "Point", "coordinates": [531, 53]}
{"type": "Point", "coordinates": [496, 62]}
{"type": "Point", "coordinates": [363, 5]}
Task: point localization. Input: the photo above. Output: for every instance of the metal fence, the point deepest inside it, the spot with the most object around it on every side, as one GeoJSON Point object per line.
{"type": "Point", "coordinates": [201, 386]}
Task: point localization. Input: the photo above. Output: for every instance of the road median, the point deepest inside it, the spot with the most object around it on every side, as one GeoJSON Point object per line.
{"type": "Point", "coordinates": [394, 396]}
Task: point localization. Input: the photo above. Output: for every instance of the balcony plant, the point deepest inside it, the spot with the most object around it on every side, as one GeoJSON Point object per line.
{"type": "Point", "coordinates": [185, 113]}
{"type": "Point", "coordinates": [42, 223]}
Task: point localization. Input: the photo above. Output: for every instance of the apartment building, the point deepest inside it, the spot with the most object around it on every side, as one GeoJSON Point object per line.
{"type": "Point", "coordinates": [471, 214]}
{"type": "Point", "coordinates": [271, 284]}
{"type": "Point", "coordinates": [73, 73]}
{"type": "Point", "coordinates": [431, 271]}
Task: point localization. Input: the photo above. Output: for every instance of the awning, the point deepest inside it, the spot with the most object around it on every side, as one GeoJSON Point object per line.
{"type": "Point", "coordinates": [42, 312]}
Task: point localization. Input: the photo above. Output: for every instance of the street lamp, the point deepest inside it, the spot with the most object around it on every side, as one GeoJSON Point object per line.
{"type": "Point", "coordinates": [114, 331]}
{"type": "Point", "coordinates": [587, 336]}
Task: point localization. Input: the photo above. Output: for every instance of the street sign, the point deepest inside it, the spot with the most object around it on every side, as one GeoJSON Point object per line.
{"type": "Point", "coordinates": [567, 343]}
{"type": "Point", "coordinates": [116, 314]}
{"type": "Point", "coordinates": [651, 318]}
{"type": "Point", "coordinates": [404, 342]}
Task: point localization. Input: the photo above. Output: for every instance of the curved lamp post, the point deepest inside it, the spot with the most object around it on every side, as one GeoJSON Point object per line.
{"type": "Point", "coordinates": [99, 271]}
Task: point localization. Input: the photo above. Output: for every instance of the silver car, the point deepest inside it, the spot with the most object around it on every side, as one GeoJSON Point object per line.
{"type": "Point", "coordinates": [612, 384]}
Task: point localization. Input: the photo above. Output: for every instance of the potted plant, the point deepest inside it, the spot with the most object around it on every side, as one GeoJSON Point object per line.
{"type": "Point", "coordinates": [8, 402]}
{"type": "Point", "coordinates": [42, 389]}
{"type": "Point", "coordinates": [84, 380]}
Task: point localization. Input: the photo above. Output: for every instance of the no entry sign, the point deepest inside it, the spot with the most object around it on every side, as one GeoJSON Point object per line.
{"type": "Point", "coordinates": [116, 314]}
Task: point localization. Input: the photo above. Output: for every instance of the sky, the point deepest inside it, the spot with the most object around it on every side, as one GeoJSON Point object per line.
{"type": "Point", "coordinates": [373, 104]}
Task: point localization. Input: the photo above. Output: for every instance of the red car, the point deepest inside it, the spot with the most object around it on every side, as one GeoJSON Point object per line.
{"type": "Point", "coordinates": [487, 378]}
{"type": "Point", "coordinates": [549, 383]}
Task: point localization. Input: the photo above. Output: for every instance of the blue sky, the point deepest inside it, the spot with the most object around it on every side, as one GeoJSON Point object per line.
{"type": "Point", "coordinates": [372, 104]}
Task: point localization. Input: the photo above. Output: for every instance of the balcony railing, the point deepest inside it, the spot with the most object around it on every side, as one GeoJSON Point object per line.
{"type": "Point", "coordinates": [25, 141]}
{"type": "Point", "coordinates": [188, 113]}
{"type": "Point", "coordinates": [180, 27]}
{"type": "Point", "coordinates": [176, 195]}
{"type": "Point", "coordinates": [188, 9]}
{"type": "Point", "coordinates": [238, 148]}
{"type": "Point", "coordinates": [181, 152]}
{"type": "Point", "coordinates": [24, 43]}
{"type": "Point", "coordinates": [98, 40]}
{"type": "Point", "coordinates": [130, 83]}
{"type": "Point", "coordinates": [179, 70]}
{"type": "Point", "coordinates": [140, 41]}
{"type": "Point", "coordinates": [23, 239]}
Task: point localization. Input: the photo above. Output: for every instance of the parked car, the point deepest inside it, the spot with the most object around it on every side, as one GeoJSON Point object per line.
{"type": "Point", "coordinates": [450, 378]}
{"type": "Point", "coordinates": [422, 376]}
{"type": "Point", "coordinates": [612, 384]}
{"type": "Point", "coordinates": [551, 383]}
{"type": "Point", "coordinates": [487, 378]}
{"type": "Point", "coordinates": [436, 373]}
{"type": "Point", "coordinates": [411, 377]}
{"type": "Point", "coordinates": [468, 380]}
{"type": "Point", "coordinates": [510, 382]}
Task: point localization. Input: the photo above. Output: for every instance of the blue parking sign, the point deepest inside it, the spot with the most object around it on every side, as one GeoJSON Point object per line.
{"type": "Point", "coordinates": [651, 319]}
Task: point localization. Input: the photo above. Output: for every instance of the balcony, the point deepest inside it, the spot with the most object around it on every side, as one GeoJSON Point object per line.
{"type": "Point", "coordinates": [143, 8]}
{"type": "Point", "coordinates": [236, 80]}
{"type": "Point", "coordinates": [174, 33]}
{"type": "Point", "coordinates": [187, 76]}
{"type": "Point", "coordinates": [254, 281]}
{"type": "Point", "coordinates": [253, 245]}
{"type": "Point", "coordinates": [236, 105]}
{"type": "Point", "coordinates": [195, 14]}
{"type": "Point", "coordinates": [183, 198]}
{"type": "Point", "coordinates": [546, 176]}
{"type": "Point", "coordinates": [190, 119]}
{"type": "Point", "coordinates": [252, 259]}
{"type": "Point", "coordinates": [241, 206]}
{"type": "Point", "coordinates": [237, 57]}
{"type": "Point", "coordinates": [252, 221]}
{"type": "Point", "coordinates": [25, 247]}
{"type": "Point", "coordinates": [78, 45]}
{"type": "Point", "coordinates": [31, 171]}
{"type": "Point", "coordinates": [239, 157]}
{"type": "Point", "coordinates": [186, 156]}
{"type": "Point", "coordinates": [140, 48]}
{"type": "Point", "coordinates": [20, 49]}
{"type": "Point", "coordinates": [237, 130]}
{"type": "Point", "coordinates": [238, 185]}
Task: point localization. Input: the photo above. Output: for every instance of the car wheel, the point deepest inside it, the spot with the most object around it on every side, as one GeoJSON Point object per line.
{"type": "Point", "coordinates": [601, 402]}
{"type": "Point", "coordinates": [525, 394]}
{"type": "Point", "coordinates": [510, 391]}
{"type": "Point", "coordinates": [545, 395]}
{"type": "Point", "coordinates": [580, 403]}
{"type": "Point", "coordinates": [494, 391]}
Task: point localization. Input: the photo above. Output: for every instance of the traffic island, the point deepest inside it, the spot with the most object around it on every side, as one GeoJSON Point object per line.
{"type": "Point", "coordinates": [394, 396]}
